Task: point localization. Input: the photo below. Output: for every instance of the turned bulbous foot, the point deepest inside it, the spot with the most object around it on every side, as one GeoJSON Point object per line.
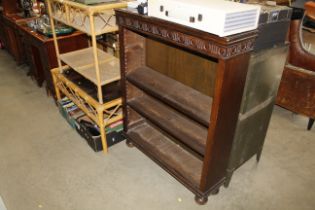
{"type": "Point", "coordinates": [215, 192]}
{"type": "Point", "coordinates": [201, 200]}
{"type": "Point", "coordinates": [129, 143]}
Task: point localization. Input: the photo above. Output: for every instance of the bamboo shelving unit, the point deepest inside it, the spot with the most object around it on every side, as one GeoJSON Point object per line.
{"type": "Point", "coordinates": [92, 63]}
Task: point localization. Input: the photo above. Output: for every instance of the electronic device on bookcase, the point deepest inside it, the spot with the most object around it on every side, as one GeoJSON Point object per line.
{"type": "Point", "coordinates": [218, 17]}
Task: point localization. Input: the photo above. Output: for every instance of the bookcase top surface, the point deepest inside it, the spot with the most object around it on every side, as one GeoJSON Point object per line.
{"type": "Point", "coordinates": [187, 37]}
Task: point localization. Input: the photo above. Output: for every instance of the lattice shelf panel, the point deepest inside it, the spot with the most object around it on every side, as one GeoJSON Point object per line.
{"type": "Point", "coordinates": [111, 111]}
{"type": "Point", "coordinates": [78, 16]}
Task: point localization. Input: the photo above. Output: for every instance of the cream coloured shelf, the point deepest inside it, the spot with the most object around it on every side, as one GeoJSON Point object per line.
{"type": "Point", "coordinates": [109, 72]}
{"type": "Point", "coordinates": [82, 61]}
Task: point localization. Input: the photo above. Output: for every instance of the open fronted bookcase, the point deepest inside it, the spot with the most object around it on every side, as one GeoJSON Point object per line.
{"type": "Point", "coordinates": [182, 95]}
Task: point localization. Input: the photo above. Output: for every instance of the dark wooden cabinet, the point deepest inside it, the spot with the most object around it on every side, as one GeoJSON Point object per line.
{"type": "Point", "coordinates": [12, 37]}
{"type": "Point", "coordinates": [10, 6]}
{"type": "Point", "coordinates": [28, 46]}
{"type": "Point", "coordinates": [182, 109]}
{"type": "Point", "coordinates": [8, 35]}
{"type": "Point", "coordinates": [41, 55]}
{"type": "Point", "coordinates": [2, 31]}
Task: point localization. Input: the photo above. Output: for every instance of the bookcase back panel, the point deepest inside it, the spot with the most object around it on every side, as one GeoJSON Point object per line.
{"type": "Point", "coordinates": [186, 67]}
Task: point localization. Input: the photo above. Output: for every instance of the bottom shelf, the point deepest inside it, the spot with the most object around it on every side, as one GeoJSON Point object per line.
{"type": "Point", "coordinates": [110, 91]}
{"type": "Point", "coordinates": [168, 154]}
{"type": "Point", "coordinates": [101, 114]}
{"type": "Point", "coordinates": [87, 128]}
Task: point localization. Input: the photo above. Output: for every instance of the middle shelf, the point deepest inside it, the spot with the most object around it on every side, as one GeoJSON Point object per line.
{"type": "Point", "coordinates": [179, 96]}
{"type": "Point", "coordinates": [82, 61]}
{"type": "Point", "coordinates": [176, 124]}
{"type": "Point", "coordinates": [168, 104]}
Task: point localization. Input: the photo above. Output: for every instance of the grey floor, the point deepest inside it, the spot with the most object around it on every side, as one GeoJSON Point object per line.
{"type": "Point", "coordinates": [45, 164]}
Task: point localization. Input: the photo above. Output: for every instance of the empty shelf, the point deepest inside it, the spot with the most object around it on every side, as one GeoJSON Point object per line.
{"type": "Point", "coordinates": [163, 150]}
{"type": "Point", "coordinates": [109, 72]}
{"type": "Point", "coordinates": [174, 123]}
{"type": "Point", "coordinates": [84, 58]}
{"type": "Point", "coordinates": [82, 61]}
{"type": "Point", "coordinates": [183, 98]}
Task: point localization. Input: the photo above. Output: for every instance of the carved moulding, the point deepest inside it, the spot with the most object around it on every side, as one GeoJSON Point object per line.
{"type": "Point", "coordinates": [204, 46]}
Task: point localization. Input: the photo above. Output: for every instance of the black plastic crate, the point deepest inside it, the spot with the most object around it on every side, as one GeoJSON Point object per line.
{"type": "Point", "coordinates": [90, 133]}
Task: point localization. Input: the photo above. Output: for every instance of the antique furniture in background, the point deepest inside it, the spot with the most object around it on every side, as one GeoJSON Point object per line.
{"type": "Point", "coordinates": [297, 88]}
{"type": "Point", "coordinates": [2, 34]}
{"type": "Point", "coordinates": [262, 82]}
{"type": "Point", "coordinates": [12, 38]}
{"type": "Point", "coordinates": [28, 46]}
{"type": "Point", "coordinates": [10, 17]}
{"type": "Point", "coordinates": [41, 55]}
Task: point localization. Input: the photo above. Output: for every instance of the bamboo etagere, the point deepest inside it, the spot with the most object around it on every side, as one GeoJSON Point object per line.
{"type": "Point", "coordinates": [92, 63]}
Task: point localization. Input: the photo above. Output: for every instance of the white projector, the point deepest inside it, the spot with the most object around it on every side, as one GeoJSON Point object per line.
{"type": "Point", "coordinates": [218, 17]}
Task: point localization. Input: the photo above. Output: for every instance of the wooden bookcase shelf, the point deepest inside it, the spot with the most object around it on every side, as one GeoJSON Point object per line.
{"type": "Point", "coordinates": [162, 149]}
{"type": "Point", "coordinates": [169, 113]}
{"type": "Point", "coordinates": [98, 67]}
{"type": "Point", "coordinates": [176, 94]}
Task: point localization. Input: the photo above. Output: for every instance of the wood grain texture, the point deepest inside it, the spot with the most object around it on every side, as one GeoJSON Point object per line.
{"type": "Point", "coordinates": [199, 73]}
{"type": "Point", "coordinates": [297, 91]}
{"type": "Point", "coordinates": [189, 38]}
{"type": "Point", "coordinates": [174, 123]}
{"type": "Point", "coordinates": [162, 149]}
{"type": "Point", "coordinates": [181, 97]}
{"type": "Point", "coordinates": [230, 84]}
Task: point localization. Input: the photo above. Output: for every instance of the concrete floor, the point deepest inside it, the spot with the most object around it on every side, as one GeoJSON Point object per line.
{"type": "Point", "coordinates": [45, 164]}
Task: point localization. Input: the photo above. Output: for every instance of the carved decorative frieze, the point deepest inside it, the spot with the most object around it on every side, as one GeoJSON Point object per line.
{"type": "Point", "coordinates": [203, 46]}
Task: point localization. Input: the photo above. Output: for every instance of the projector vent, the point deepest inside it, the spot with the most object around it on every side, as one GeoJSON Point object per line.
{"type": "Point", "coordinates": [240, 20]}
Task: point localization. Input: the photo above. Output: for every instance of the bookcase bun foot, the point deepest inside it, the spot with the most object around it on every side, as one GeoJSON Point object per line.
{"type": "Point", "coordinates": [129, 143]}
{"type": "Point", "coordinates": [201, 200]}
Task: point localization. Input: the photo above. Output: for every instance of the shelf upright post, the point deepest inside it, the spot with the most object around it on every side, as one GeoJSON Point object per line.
{"type": "Point", "coordinates": [102, 125]}
{"type": "Point", "coordinates": [52, 23]}
{"type": "Point", "coordinates": [96, 63]}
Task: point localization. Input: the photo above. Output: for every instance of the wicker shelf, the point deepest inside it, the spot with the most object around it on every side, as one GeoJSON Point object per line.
{"type": "Point", "coordinates": [108, 65]}
{"type": "Point", "coordinates": [78, 15]}
{"type": "Point", "coordinates": [85, 102]}
{"type": "Point", "coordinates": [98, 67]}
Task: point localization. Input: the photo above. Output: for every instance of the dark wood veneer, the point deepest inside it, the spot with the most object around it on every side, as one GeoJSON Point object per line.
{"type": "Point", "coordinates": [159, 103]}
